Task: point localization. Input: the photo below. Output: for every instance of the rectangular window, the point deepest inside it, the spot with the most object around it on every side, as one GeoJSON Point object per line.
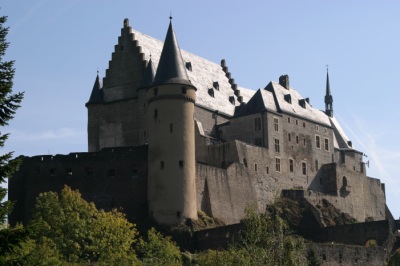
{"type": "Point", "coordinates": [304, 124]}
{"type": "Point", "coordinates": [297, 139]}
{"type": "Point", "coordinates": [317, 142]}
{"type": "Point", "coordinates": [267, 170]}
{"type": "Point", "coordinates": [255, 167]}
{"type": "Point", "coordinates": [276, 124]}
{"type": "Point", "coordinates": [171, 127]}
{"type": "Point", "coordinates": [326, 144]}
{"type": "Point", "coordinates": [278, 164]}
{"type": "Point", "coordinates": [289, 137]}
{"type": "Point", "coordinates": [257, 123]}
{"type": "Point", "coordinates": [304, 167]}
{"type": "Point", "coordinates": [155, 113]}
{"type": "Point", "coordinates": [316, 128]}
{"type": "Point", "coordinates": [276, 145]}
{"type": "Point", "coordinates": [297, 122]}
{"type": "Point", "coordinates": [288, 120]}
{"type": "Point", "coordinates": [316, 165]}
{"type": "Point", "coordinates": [291, 165]}
{"type": "Point", "coordinates": [162, 164]}
{"type": "Point", "coordinates": [181, 164]}
{"type": "Point", "coordinates": [304, 142]}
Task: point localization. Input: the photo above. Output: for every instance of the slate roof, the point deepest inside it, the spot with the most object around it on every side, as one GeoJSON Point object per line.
{"type": "Point", "coordinates": [342, 141]}
{"type": "Point", "coordinates": [262, 100]}
{"type": "Point", "coordinates": [203, 75]}
{"type": "Point", "coordinates": [171, 68]}
{"type": "Point", "coordinates": [294, 108]}
{"type": "Point", "coordinates": [149, 75]}
{"type": "Point", "coordinates": [97, 93]}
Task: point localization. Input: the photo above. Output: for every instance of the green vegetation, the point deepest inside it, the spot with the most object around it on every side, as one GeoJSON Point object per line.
{"type": "Point", "coordinates": [395, 259]}
{"type": "Point", "coordinates": [9, 103]}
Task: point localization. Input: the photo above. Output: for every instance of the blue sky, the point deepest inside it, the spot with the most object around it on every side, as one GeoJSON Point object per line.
{"type": "Point", "coordinates": [59, 45]}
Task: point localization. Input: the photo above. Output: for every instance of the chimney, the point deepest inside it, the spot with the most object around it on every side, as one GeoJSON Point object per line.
{"type": "Point", "coordinates": [284, 81]}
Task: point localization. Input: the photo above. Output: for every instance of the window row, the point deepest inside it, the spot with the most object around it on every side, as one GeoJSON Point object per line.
{"type": "Point", "coordinates": [318, 143]}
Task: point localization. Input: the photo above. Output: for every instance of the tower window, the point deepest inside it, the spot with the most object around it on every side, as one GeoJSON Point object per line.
{"type": "Point", "coordinates": [245, 162]}
{"type": "Point", "coordinates": [267, 170]}
{"type": "Point", "coordinates": [326, 144]}
{"type": "Point", "coordinates": [291, 165]}
{"type": "Point", "coordinates": [297, 139]}
{"type": "Point", "coordinates": [297, 122]}
{"type": "Point", "coordinates": [278, 164]}
{"type": "Point", "coordinates": [304, 167]}
{"type": "Point", "coordinates": [289, 137]}
{"type": "Point", "coordinates": [178, 215]}
{"type": "Point", "coordinates": [171, 127]}
{"type": "Point", "coordinates": [183, 90]}
{"type": "Point", "coordinates": [317, 142]}
{"type": "Point", "coordinates": [162, 165]}
{"type": "Point", "coordinates": [255, 167]}
{"type": "Point", "coordinates": [276, 124]}
{"type": "Point", "coordinates": [155, 113]}
{"type": "Point", "coordinates": [277, 145]}
{"type": "Point", "coordinates": [304, 124]}
{"type": "Point", "coordinates": [288, 120]}
{"type": "Point", "coordinates": [181, 164]}
{"type": "Point", "coordinates": [316, 128]}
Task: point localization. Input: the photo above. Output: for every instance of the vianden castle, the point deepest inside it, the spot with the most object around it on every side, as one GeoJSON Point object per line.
{"type": "Point", "coordinates": [171, 134]}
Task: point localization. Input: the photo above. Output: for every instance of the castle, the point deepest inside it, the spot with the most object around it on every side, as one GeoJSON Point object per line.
{"type": "Point", "coordinates": [171, 134]}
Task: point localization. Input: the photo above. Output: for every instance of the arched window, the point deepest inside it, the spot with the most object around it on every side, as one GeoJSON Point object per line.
{"type": "Point", "coordinates": [344, 181]}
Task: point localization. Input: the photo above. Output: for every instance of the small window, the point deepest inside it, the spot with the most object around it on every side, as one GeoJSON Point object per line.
{"type": "Point", "coordinates": [189, 66]}
{"type": "Point", "coordinates": [216, 85]}
{"type": "Point", "coordinates": [155, 113]}
{"type": "Point", "coordinates": [291, 165]}
{"type": "Point", "coordinates": [211, 92]}
{"type": "Point", "coordinates": [326, 144]}
{"type": "Point", "coordinates": [304, 142]}
{"type": "Point", "coordinates": [155, 91]}
{"type": "Point", "coordinates": [304, 167]}
{"type": "Point", "coordinates": [278, 164]}
{"type": "Point", "coordinates": [181, 164]}
{"type": "Point", "coordinates": [304, 124]}
{"type": "Point", "coordinates": [255, 167]}
{"type": "Point", "coordinates": [297, 122]}
{"type": "Point", "coordinates": [317, 128]}
{"type": "Point", "coordinates": [178, 215]}
{"type": "Point", "coordinates": [171, 127]}
{"type": "Point", "coordinates": [297, 139]}
{"type": "Point", "coordinates": [257, 123]}
{"type": "Point", "coordinates": [245, 162]}
{"type": "Point", "coordinates": [326, 130]}
{"type": "Point", "coordinates": [288, 120]}
{"type": "Point", "coordinates": [317, 142]}
{"type": "Point", "coordinates": [289, 137]}
{"type": "Point", "coordinates": [316, 165]}
{"type": "Point", "coordinates": [276, 124]}
{"type": "Point", "coordinates": [267, 170]}
{"type": "Point", "coordinates": [277, 145]}
{"type": "Point", "coordinates": [162, 165]}
{"type": "Point", "coordinates": [183, 90]}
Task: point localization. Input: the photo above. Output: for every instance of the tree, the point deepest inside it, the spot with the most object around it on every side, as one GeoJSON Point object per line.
{"type": "Point", "coordinates": [159, 249]}
{"type": "Point", "coordinates": [9, 103]}
{"type": "Point", "coordinates": [80, 232]}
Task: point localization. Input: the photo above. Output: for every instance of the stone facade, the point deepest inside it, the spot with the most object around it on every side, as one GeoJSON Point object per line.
{"type": "Point", "coordinates": [248, 145]}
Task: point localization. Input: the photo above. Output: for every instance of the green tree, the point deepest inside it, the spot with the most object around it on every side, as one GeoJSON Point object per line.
{"type": "Point", "coordinates": [159, 249]}
{"type": "Point", "coordinates": [395, 259]}
{"type": "Point", "coordinates": [80, 232]}
{"type": "Point", "coordinates": [9, 103]}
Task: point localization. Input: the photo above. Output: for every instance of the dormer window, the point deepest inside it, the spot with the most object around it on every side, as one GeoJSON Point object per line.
{"type": "Point", "coordinates": [288, 98]}
{"type": "Point", "coordinates": [216, 85]}
{"type": "Point", "coordinates": [189, 66]}
{"type": "Point", "coordinates": [232, 99]}
{"type": "Point", "coordinates": [302, 103]}
{"type": "Point", "coordinates": [211, 92]}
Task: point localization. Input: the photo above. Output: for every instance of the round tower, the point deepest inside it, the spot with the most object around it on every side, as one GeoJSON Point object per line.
{"type": "Point", "coordinates": [171, 139]}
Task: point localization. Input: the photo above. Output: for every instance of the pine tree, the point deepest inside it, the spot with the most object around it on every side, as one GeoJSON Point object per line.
{"type": "Point", "coordinates": [9, 103]}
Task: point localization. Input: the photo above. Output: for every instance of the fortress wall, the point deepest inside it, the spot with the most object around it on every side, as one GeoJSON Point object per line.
{"type": "Point", "coordinates": [112, 178]}
{"type": "Point", "coordinates": [228, 191]}
{"type": "Point", "coordinates": [117, 124]}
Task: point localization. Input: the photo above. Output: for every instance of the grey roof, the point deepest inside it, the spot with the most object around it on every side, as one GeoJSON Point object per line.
{"type": "Point", "coordinates": [294, 107]}
{"type": "Point", "coordinates": [97, 93]}
{"type": "Point", "coordinates": [261, 101]}
{"type": "Point", "coordinates": [171, 68]}
{"type": "Point", "coordinates": [342, 141]}
{"type": "Point", "coordinates": [203, 74]}
{"type": "Point", "coordinates": [149, 75]}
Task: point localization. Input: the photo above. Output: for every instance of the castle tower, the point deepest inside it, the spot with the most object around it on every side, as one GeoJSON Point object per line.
{"type": "Point", "coordinates": [171, 152]}
{"type": "Point", "coordinates": [328, 97]}
{"type": "Point", "coordinates": [94, 106]}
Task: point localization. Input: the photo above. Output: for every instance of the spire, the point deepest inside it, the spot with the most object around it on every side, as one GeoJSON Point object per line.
{"type": "Point", "coordinates": [97, 92]}
{"type": "Point", "coordinates": [328, 97]}
{"type": "Point", "coordinates": [171, 68]}
{"type": "Point", "coordinates": [149, 74]}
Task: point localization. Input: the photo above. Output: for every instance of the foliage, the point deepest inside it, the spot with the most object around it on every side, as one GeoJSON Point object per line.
{"type": "Point", "coordinates": [159, 249]}
{"type": "Point", "coordinates": [80, 232]}
{"type": "Point", "coordinates": [9, 103]}
{"type": "Point", "coordinates": [395, 259]}
{"type": "Point", "coordinates": [371, 243]}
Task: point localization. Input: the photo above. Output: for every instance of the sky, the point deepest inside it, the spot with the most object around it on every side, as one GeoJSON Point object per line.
{"type": "Point", "coordinates": [58, 47]}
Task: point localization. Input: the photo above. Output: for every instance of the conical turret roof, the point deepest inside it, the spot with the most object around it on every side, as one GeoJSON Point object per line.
{"type": "Point", "coordinates": [97, 93]}
{"type": "Point", "coordinates": [171, 68]}
{"type": "Point", "coordinates": [149, 75]}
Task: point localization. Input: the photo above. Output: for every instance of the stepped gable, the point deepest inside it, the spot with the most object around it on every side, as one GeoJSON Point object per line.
{"type": "Point", "coordinates": [295, 104]}
{"type": "Point", "coordinates": [97, 93]}
{"type": "Point", "coordinates": [261, 101]}
{"type": "Point", "coordinates": [202, 75]}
